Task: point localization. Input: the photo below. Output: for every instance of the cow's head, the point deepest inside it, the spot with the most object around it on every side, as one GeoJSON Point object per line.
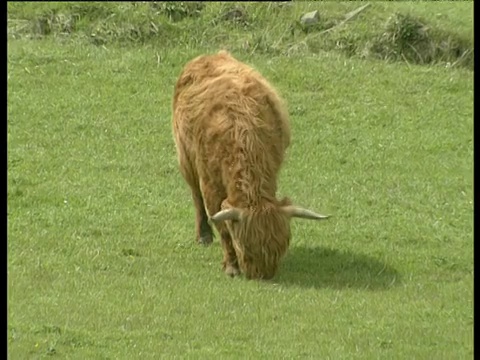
{"type": "Point", "coordinates": [261, 234]}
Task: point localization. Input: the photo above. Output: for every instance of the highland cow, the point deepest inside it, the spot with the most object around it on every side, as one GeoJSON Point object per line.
{"type": "Point", "coordinates": [231, 131]}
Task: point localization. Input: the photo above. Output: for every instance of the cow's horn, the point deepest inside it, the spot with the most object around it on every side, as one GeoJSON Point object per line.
{"type": "Point", "coordinates": [295, 211]}
{"type": "Point", "coordinates": [227, 214]}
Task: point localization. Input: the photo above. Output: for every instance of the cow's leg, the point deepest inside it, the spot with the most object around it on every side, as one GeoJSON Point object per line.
{"type": "Point", "coordinates": [230, 261]}
{"type": "Point", "coordinates": [213, 202]}
{"type": "Point", "coordinates": [203, 228]}
{"type": "Point", "coordinates": [204, 232]}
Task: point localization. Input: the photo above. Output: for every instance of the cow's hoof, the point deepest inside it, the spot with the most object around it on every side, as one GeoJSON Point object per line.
{"type": "Point", "coordinates": [232, 271]}
{"type": "Point", "coordinates": [205, 240]}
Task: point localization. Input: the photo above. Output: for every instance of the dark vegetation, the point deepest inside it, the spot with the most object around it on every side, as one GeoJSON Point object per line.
{"type": "Point", "coordinates": [266, 28]}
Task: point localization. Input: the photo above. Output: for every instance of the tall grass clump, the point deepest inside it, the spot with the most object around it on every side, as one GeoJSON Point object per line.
{"type": "Point", "coordinates": [406, 37]}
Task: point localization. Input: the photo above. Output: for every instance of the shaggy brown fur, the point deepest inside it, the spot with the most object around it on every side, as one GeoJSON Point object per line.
{"type": "Point", "coordinates": [231, 131]}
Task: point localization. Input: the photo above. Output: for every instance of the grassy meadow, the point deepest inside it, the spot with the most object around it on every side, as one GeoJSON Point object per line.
{"type": "Point", "coordinates": [102, 262]}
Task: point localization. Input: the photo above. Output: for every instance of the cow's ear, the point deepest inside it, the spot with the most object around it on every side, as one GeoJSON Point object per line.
{"type": "Point", "coordinates": [284, 202]}
{"type": "Point", "coordinates": [299, 212]}
{"type": "Point", "coordinates": [225, 204]}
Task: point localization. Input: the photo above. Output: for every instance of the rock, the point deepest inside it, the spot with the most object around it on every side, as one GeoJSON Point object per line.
{"type": "Point", "coordinates": [236, 14]}
{"type": "Point", "coordinates": [310, 18]}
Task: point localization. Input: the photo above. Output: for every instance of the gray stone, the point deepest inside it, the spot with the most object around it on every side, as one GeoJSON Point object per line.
{"type": "Point", "coordinates": [310, 18]}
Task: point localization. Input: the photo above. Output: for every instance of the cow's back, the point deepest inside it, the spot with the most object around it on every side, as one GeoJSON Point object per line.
{"type": "Point", "coordinates": [227, 118]}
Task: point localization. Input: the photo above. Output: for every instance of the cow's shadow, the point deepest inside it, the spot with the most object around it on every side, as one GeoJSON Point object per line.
{"type": "Point", "coordinates": [320, 267]}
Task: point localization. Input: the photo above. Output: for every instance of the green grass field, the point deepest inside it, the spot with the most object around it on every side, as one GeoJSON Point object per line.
{"type": "Point", "coordinates": [102, 262]}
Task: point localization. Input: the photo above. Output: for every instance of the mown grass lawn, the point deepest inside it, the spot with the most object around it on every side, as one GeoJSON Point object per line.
{"type": "Point", "coordinates": [102, 262]}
